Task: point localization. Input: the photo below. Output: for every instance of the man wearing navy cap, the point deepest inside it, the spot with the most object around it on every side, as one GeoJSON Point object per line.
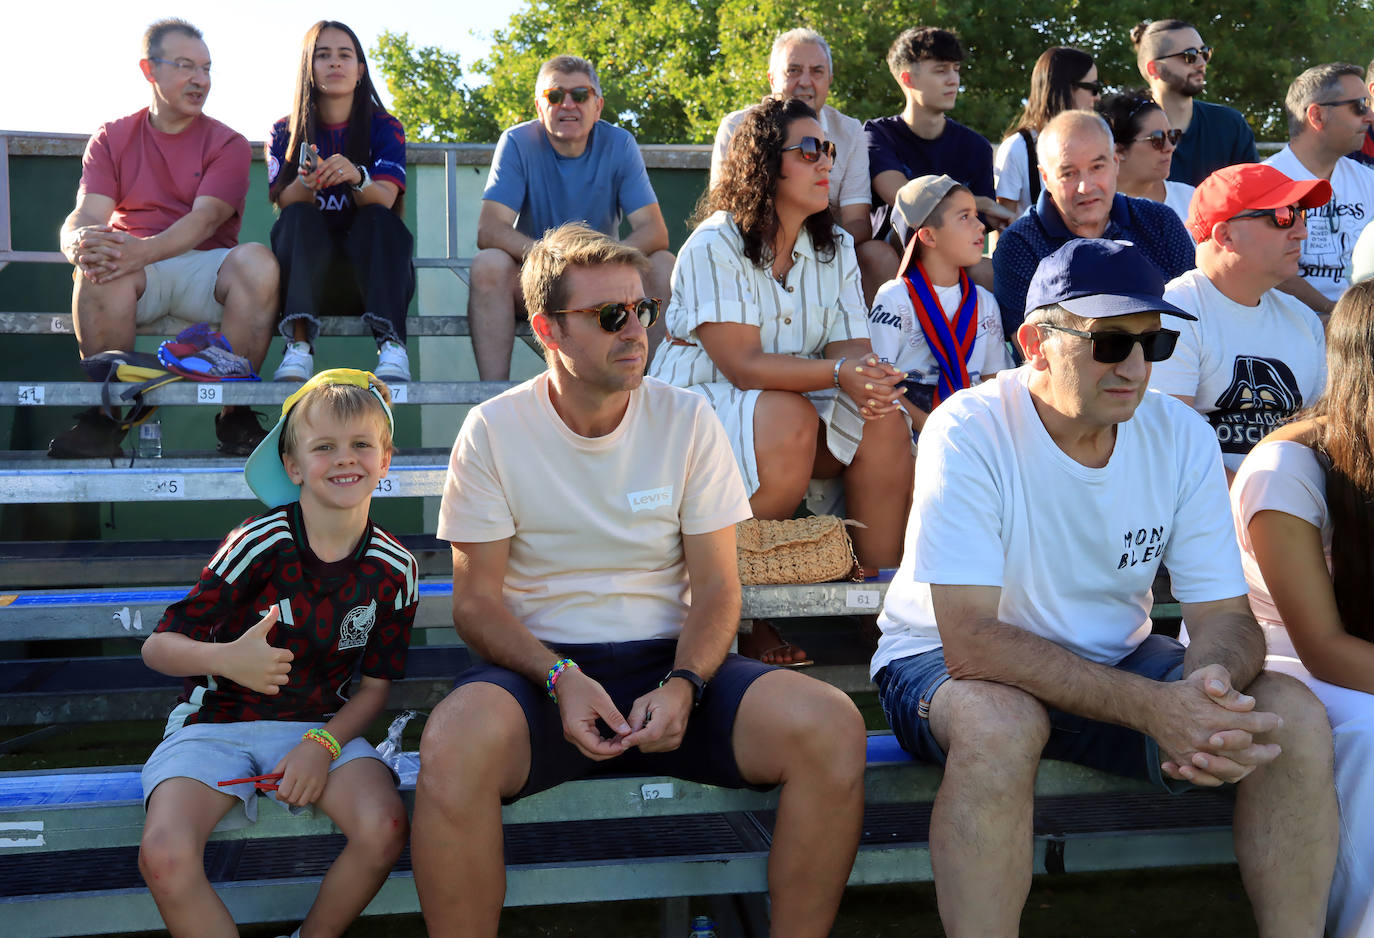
{"type": "Point", "coordinates": [1018, 625]}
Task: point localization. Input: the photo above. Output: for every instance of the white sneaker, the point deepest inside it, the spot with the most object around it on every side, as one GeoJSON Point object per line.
{"type": "Point", "coordinates": [297, 364]}
{"type": "Point", "coordinates": [393, 362]}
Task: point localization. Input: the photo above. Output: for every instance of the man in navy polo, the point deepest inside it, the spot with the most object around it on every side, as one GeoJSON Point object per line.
{"type": "Point", "coordinates": [1078, 165]}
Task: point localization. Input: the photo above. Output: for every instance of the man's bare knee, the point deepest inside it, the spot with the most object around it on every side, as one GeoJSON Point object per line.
{"type": "Point", "coordinates": [493, 269]}
{"type": "Point", "coordinates": [1306, 730]}
{"type": "Point", "coordinates": [984, 720]}
{"type": "Point", "coordinates": [474, 737]}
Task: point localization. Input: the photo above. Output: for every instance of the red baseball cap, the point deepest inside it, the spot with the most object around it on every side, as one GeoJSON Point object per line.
{"type": "Point", "coordinates": [1235, 189]}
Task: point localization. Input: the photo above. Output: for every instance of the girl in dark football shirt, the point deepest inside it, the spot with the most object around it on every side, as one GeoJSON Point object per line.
{"type": "Point", "coordinates": [340, 239]}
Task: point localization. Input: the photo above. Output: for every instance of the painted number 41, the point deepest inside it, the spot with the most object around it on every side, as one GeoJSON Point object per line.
{"type": "Point", "coordinates": [30, 395]}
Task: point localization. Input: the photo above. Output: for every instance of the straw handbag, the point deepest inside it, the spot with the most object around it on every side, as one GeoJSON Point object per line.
{"type": "Point", "coordinates": [800, 550]}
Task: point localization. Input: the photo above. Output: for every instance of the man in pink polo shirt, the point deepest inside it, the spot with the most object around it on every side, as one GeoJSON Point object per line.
{"type": "Point", "coordinates": [154, 235]}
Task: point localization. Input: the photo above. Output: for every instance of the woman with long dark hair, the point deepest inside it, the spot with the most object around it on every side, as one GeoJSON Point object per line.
{"type": "Point", "coordinates": [336, 168]}
{"type": "Point", "coordinates": [1145, 145]}
{"type": "Point", "coordinates": [1303, 503]}
{"type": "Point", "coordinates": [768, 322]}
{"type": "Point", "coordinates": [1063, 79]}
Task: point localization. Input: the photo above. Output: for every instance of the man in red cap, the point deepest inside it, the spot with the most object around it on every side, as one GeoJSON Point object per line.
{"type": "Point", "coordinates": [1255, 355]}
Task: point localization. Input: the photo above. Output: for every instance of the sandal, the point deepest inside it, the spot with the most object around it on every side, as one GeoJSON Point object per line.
{"type": "Point", "coordinates": [765, 643]}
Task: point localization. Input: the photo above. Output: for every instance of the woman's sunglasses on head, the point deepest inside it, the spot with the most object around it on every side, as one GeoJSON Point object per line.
{"type": "Point", "coordinates": [811, 148]}
{"type": "Point", "coordinates": [612, 317]}
{"type": "Point", "coordinates": [1113, 347]}
{"type": "Point", "coordinates": [580, 94]}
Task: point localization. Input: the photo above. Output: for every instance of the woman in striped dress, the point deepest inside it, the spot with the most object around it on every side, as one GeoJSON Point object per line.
{"type": "Point", "coordinates": [767, 321]}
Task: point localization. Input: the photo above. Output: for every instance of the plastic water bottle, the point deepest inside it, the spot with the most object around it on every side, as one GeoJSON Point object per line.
{"type": "Point", "coordinates": [150, 439]}
{"type": "Point", "coordinates": [703, 926]}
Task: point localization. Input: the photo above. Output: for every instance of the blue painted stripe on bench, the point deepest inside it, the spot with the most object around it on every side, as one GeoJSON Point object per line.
{"type": "Point", "coordinates": [148, 595]}
{"type": "Point", "coordinates": [164, 595]}
{"type": "Point", "coordinates": [55, 789]}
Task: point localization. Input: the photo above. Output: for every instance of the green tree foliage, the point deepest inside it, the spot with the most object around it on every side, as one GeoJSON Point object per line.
{"type": "Point", "coordinates": [670, 69]}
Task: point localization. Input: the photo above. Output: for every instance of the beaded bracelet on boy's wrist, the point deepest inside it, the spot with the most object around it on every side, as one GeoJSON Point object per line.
{"type": "Point", "coordinates": [555, 672]}
{"type": "Point", "coordinates": [325, 739]}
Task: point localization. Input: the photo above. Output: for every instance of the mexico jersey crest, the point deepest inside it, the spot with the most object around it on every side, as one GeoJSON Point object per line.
{"type": "Point", "coordinates": [356, 626]}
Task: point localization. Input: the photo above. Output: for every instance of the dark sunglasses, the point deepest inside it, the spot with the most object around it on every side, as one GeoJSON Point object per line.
{"type": "Point", "coordinates": [1093, 87]}
{"type": "Point", "coordinates": [1285, 216]}
{"type": "Point", "coordinates": [1190, 55]}
{"type": "Point", "coordinates": [1156, 138]}
{"type": "Point", "coordinates": [1112, 347]}
{"type": "Point", "coordinates": [1359, 105]}
{"type": "Point", "coordinates": [580, 94]}
{"type": "Point", "coordinates": [810, 149]}
{"type": "Point", "coordinates": [613, 316]}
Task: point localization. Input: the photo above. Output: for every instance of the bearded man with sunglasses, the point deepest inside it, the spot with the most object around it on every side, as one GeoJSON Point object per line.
{"type": "Point", "coordinates": [566, 165]}
{"type": "Point", "coordinates": [1328, 115]}
{"type": "Point", "coordinates": [1255, 355]}
{"type": "Point", "coordinates": [1018, 625]}
{"type": "Point", "coordinates": [592, 514]}
{"type": "Point", "coordinates": [1173, 60]}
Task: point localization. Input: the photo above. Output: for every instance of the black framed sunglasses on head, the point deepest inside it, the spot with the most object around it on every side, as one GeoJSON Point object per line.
{"type": "Point", "coordinates": [1113, 347]}
{"type": "Point", "coordinates": [1359, 105]}
{"type": "Point", "coordinates": [1190, 55]}
{"type": "Point", "coordinates": [612, 317]}
{"type": "Point", "coordinates": [811, 148]}
{"type": "Point", "coordinates": [580, 94]}
{"type": "Point", "coordinates": [1285, 216]}
{"type": "Point", "coordinates": [1156, 138]}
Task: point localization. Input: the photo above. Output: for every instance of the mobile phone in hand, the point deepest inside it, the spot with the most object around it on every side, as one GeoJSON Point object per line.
{"type": "Point", "coordinates": [306, 162]}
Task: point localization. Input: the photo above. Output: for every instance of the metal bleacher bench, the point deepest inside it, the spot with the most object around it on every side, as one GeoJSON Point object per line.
{"type": "Point", "coordinates": [68, 842]}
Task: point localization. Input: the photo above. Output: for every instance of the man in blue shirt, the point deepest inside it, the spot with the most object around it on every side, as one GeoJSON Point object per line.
{"type": "Point", "coordinates": [1171, 57]}
{"type": "Point", "coordinates": [1078, 164]}
{"type": "Point", "coordinates": [565, 165]}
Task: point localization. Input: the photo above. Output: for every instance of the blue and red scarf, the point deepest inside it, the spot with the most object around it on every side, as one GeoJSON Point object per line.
{"type": "Point", "coordinates": [950, 341]}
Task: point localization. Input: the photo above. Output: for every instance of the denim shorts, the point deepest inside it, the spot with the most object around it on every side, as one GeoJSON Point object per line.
{"type": "Point", "coordinates": [628, 670]}
{"type": "Point", "coordinates": [906, 686]}
{"type": "Point", "coordinates": [213, 752]}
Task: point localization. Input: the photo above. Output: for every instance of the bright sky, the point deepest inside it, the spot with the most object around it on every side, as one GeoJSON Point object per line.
{"type": "Point", "coordinates": [70, 66]}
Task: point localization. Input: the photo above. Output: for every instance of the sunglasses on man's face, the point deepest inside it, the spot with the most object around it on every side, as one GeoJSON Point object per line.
{"type": "Point", "coordinates": [580, 94]}
{"type": "Point", "coordinates": [1156, 138]}
{"type": "Point", "coordinates": [811, 148]}
{"type": "Point", "coordinates": [1092, 87]}
{"type": "Point", "coordinates": [1190, 55]}
{"type": "Point", "coordinates": [612, 317]}
{"type": "Point", "coordinates": [1359, 105]}
{"type": "Point", "coordinates": [1285, 216]}
{"type": "Point", "coordinates": [1113, 347]}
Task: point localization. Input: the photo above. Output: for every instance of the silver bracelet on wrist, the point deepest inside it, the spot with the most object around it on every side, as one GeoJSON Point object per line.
{"type": "Point", "coordinates": [838, 365]}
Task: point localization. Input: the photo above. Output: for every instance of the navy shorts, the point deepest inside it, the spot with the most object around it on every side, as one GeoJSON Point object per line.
{"type": "Point", "coordinates": [905, 687]}
{"type": "Point", "coordinates": [628, 670]}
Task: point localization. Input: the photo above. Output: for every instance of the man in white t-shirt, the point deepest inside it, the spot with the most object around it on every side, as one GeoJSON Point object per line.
{"type": "Point", "coordinates": [1328, 115]}
{"type": "Point", "coordinates": [800, 66]}
{"type": "Point", "coordinates": [1256, 355]}
{"type": "Point", "coordinates": [592, 514]}
{"type": "Point", "coordinates": [1018, 624]}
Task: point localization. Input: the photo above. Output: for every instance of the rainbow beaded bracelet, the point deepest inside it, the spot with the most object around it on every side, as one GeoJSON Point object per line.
{"type": "Point", "coordinates": [555, 672]}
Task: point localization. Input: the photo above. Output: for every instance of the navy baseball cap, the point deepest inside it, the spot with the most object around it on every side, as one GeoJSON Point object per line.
{"type": "Point", "coordinates": [1096, 279]}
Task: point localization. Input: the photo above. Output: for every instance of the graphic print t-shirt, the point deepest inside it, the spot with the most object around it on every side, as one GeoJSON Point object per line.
{"type": "Point", "coordinates": [1247, 368]}
{"type": "Point", "coordinates": [334, 616]}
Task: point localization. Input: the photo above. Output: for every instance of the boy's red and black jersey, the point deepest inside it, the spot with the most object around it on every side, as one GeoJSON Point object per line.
{"type": "Point", "coordinates": [332, 617]}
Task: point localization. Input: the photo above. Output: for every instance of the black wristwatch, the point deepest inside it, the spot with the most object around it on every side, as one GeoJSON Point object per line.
{"type": "Point", "coordinates": [364, 177]}
{"type": "Point", "coordinates": [691, 677]}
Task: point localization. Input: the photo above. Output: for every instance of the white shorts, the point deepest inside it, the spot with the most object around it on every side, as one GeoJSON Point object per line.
{"type": "Point", "coordinates": [181, 290]}
{"type": "Point", "coordinates": [213, 752]}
